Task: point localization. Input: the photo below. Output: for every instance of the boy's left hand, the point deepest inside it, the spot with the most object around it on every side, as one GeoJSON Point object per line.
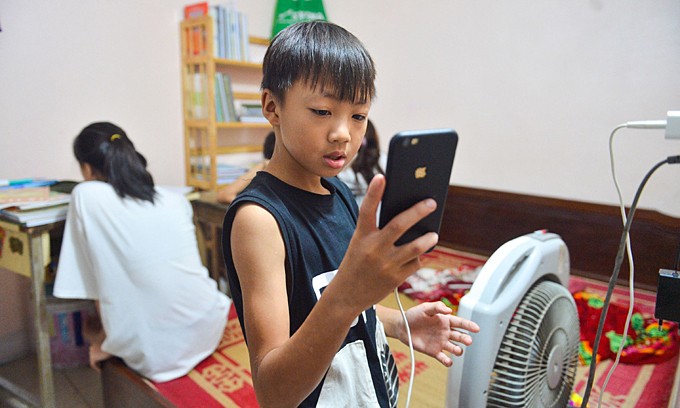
{"type": "Point", "coordinates": [435, 331]}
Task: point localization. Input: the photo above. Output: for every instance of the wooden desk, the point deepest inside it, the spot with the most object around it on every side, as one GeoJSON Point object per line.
{"type": "Point", "coordinates": [208, 217]}
{"type": "Point", "coordinates": [26, 251]}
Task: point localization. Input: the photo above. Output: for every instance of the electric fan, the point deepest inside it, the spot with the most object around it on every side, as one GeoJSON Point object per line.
{"type": "Point", "coordinates": [526, 351]}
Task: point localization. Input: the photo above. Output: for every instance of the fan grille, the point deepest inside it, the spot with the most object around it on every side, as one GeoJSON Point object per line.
{"type": "Point", "coordinates": [536, 363]}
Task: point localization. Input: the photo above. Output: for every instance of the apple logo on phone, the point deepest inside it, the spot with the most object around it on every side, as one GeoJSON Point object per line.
{"type": "Point", "coordinates": [421, 172]}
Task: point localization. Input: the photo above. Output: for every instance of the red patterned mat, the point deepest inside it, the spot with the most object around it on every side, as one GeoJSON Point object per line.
{"type": "Point", "coordinates": [224, 378]}
{"type": "Point", "coordinates": [221, 380]}
{"type": "Point", "coordinates": [630, 385]}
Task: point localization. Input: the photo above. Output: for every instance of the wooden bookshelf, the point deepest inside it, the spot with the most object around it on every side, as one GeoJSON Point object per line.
{"type": "Point", "coordinates": [206, 138]}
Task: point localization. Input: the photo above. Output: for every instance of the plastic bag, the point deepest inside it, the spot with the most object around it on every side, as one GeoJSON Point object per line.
{"type": "Point", "coordinates": [289, 12]}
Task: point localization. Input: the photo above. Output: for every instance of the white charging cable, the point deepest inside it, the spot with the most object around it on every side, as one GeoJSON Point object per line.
{"type": "Point", "coordinates": [410, 347]}
{"type": "Point", "coordinates": [650, 124]}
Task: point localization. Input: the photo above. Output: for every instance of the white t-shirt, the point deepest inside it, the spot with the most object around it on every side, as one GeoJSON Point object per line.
{"type": "Point", "coordinates": [161, 312]}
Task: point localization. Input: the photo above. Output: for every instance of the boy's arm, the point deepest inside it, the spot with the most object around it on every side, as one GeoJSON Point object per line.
{"type": "Point", "coordinates": [287, 369]}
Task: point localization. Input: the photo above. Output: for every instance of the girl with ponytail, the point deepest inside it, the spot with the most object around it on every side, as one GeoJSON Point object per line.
{"type": "Point", "coordinates": [105, 153]}
{"type": "Point", "coordinates": [131, 246]}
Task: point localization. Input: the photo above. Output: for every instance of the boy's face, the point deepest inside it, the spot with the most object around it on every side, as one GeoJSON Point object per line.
{"type": "Point", "coordinates": [319, 134]}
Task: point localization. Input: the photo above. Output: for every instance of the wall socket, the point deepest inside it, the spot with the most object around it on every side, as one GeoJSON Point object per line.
{"type": "Point", "coordinates": [668, 296]}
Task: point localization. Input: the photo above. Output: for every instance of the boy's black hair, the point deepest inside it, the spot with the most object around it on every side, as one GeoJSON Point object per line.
{"type": "Point", "coordinates": [268, 145]}
{"type": "Point", "coordinates": [321, 54]}
{"type": "Point", "coordinates": [111, 155]}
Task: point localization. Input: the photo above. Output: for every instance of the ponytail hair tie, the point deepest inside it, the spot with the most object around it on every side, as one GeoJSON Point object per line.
{"type": "Point", "coordinates": [114, 137]}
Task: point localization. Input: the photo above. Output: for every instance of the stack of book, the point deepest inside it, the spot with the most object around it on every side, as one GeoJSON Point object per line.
{"type": "Point", "coordinates": [32, 205]}
{"type": "Point", "coordinates": [226, 173]}
{"type": "Point", "coordinates": [250, 112]}
{"type": "Point", "coordinates": [224, 99]}
{"type": "Point", "coordinates": [230, 29]}
{"type": "Point", "coordinates": [227, 109]}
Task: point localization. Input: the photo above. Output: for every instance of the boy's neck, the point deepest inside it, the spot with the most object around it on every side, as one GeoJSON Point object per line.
{"type": "Point", "coordinates": [298, 178]}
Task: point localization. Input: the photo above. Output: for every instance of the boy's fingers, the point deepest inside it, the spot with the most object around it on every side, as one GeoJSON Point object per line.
{"type": "Point", "coordinates": [408, 255]}
{"type": "Point", "coordinates": [464, 324]}
{"type": "Point", "coordinates": [408, 218]}
{"type": "Point", "coordinates": [444, 359]}
{"type": "Point", "coordinates": [398, 225]}
{"type": "Point", "coordinates": [369, 207]}
{"type": "Point", "coordinates": [441, 308]}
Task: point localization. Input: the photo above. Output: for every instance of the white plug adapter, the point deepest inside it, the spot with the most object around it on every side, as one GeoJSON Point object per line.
{"type": "Point", "coordinates": [647, 124]}
{"type": "Point", "coordinates": [673, 125]}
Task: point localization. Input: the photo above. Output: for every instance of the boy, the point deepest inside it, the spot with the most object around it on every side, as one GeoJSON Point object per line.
{"type": "Point", "coordinates": [294, 234]}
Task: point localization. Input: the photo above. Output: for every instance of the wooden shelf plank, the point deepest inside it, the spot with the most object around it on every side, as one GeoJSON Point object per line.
{"type": "Point", "coordinates": [227, 150]}
{"type": "Point", "coordinates": [203, 124]}
{"type": "Point", "coordinates": [256, 96]}
{"type": "Point", "coordinates": [258, 40]}
{"type": "Point", "coordinates": [238, 64]}
{"type": "Point", "coordinates": [242, 125]}
{"type": "Point", "coordinates": [222, 62]}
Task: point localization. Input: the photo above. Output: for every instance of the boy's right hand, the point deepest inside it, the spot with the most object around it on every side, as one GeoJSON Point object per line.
{"type": "Point", "coordinates": [373, 266]}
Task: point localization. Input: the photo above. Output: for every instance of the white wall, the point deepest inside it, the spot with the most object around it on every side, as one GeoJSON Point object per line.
{"type": "Point", "coordinates": [533, 88]}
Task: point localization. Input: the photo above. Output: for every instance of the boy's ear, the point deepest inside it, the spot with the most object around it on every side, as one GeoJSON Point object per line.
{"type": "Point", "coordinates": [270, 107]}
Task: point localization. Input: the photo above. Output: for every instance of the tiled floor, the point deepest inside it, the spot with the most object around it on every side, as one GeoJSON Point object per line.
{"type": "Point", "coordinates": [74, 387]}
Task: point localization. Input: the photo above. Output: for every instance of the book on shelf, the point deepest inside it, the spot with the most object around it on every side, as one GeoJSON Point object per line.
{"type": "Point", "coordinates": [216, 16]}
{"type": "Point", "coordinates": [196, 10]}
{"type": "Point", "coordinates": [230, 97]}
{"type": "Point", "coordinates": [244, 37]}
{"type": "Point", "coordinates": [220, 98]}
{"type": "Point", "coordinates": [198, 109]}
{"type": "Point", "coordinates": [198, 43]}
{"type": "Point", "coordinates": [223, 169]}
{"type": "Point", "coordinates": [252, 119]}
{"type": "Point", "coordinates": [233, 33]}
{"type": "Point", "coordinates": [250, 112]}
{"type": "Point", "coordinates": [230, 30]}
{"type": "Point", "coordinates": [224, 99]}
{"type": "Point", "coordinates": [226, 173]}
{"type": "Point", "coordinates": [250, 108]}
{"type": "Point", "coordinates": [221, 111]}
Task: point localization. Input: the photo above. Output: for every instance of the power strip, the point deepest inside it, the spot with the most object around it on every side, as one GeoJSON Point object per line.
{"type": "Point", "coordinates": [668, 296]}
